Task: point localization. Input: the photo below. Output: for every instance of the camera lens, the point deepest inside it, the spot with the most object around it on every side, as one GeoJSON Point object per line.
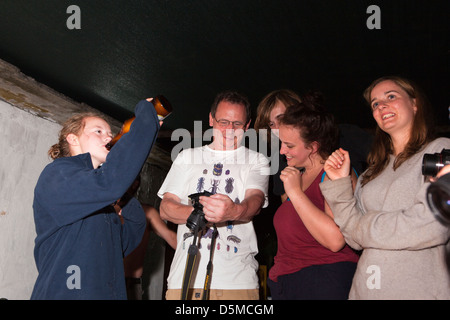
{"type": "Point", "coordinates": [430, 164]}
{"type": "Point", "coordinates": [196, 220]}
{"type": "Point", "coordinates": [439, 198]}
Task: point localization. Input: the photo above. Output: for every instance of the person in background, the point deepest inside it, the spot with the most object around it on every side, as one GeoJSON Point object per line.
{"type": "Point", "coordinates": [388, 217]}
{"type": "Point", "coordinates": [80, 241]}
{"type": "Point", "coordinates": [134, 262]}
{"type": "Point", "coordinates": [269, 109]}
{"type": "Point", "coordinates": [313, 260]}
{"type": "Point", "coordinates": [237, 177]}
{"type": "Point", "coordinates": [351, 137]}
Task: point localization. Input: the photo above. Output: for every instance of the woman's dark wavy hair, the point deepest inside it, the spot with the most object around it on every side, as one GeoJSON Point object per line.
{"type": "Point", "coordinates": [313, 122]}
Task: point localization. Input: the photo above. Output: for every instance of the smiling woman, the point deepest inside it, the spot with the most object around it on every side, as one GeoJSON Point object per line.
{"type": "Point", "coordinates": [404, 119]}
{"type": "Point", "coordinates": [393, 110]}
{"type": "Point", "coordinates": [387, 215]}
{"type": "Point", "coordinates": [310, 244]}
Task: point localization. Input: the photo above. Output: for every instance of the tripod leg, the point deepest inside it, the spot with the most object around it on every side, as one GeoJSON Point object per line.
{"type": "Point", "coordinates": [205, 295]}
{"type": "Point", "coordinates": [190, 262]}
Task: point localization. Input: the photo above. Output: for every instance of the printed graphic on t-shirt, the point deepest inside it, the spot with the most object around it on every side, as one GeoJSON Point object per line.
{"type": "Point", "coordinates": [221, 182]}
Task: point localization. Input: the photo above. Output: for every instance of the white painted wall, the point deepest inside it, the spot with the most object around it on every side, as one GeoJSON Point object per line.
{"type": "Point", "coordinates": [24, 142]}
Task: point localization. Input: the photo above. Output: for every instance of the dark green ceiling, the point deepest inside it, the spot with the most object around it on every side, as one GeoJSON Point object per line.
{"type": "Point", "coordinates": [190, 50]}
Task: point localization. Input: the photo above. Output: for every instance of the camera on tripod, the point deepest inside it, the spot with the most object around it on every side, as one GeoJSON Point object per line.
{"type": "Point", "coordinates": [197, 220]}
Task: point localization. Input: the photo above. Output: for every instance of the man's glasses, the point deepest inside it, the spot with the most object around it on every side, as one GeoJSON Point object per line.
{"type": "Point", "coordinates": [225, 123]}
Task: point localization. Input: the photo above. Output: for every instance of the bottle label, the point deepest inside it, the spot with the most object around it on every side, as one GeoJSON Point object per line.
{"type": "Point", "coordinates": [161, 118]}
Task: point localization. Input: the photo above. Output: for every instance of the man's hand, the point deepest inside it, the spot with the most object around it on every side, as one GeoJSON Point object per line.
{"type": "Point", "coordinates": [219, 208]}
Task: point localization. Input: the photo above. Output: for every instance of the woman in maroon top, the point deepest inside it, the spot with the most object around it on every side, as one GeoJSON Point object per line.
{"type": "Point", "coordinates": [313, 260]}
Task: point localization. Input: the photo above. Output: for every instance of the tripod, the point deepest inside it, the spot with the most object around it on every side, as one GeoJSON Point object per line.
{"type": "Point", "coordinates": [190, 262]}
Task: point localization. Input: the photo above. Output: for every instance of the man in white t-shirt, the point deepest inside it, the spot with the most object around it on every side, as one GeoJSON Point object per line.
{"type": "Point", "coordinates": [238, 179]}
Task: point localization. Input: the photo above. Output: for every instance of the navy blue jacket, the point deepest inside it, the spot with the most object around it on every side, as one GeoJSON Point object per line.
{"type": "Point", "coordinates": [80, 241]}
